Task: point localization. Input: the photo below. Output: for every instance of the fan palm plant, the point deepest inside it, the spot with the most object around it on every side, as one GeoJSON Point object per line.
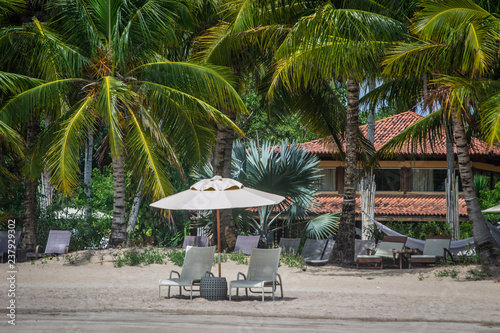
{"type": "Point", "coordinates": [107, 63]}
{"type": "Point", "coordinates": [287, 170]}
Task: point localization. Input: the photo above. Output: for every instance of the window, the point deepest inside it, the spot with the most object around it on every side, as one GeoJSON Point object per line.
{"type": "Point", "coordinates": [428, 180]}
{"type": "Point", "coordinates": [388, 179]}
{"type": "Point", "coordinates": [328, 181]}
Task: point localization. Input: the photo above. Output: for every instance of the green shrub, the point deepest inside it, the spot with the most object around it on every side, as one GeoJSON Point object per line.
{"type": "Point", "coordinates": [239, 257]}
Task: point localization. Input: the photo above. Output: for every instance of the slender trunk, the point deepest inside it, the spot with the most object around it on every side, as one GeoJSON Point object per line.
{"type": "Point", "coordinates": [45, 187]}
{"type": "Point", "coordinates": [118, 235]}
{"type": "Point", "coordinates": [30, 190]}
{"type": "Point", "coordinates": [450, 188]}
{"type": "Point", "coordinates": [368, 183]}
{"type": "Point", "coordinates": [134, 212]}
{"type": "Point", "coordinates": [485, 244]}
{"type": "Point", "coordinates": [343, 252]}
{"type": "Point", "coordinates": [87, 173]}
{"type": "Point", "coordinates": [222, 167]}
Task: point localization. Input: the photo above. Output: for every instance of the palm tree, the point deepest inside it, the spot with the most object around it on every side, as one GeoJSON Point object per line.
{"type": "Point", "coordinates": [112, 68]}
{"type": "Point", "coordinates": [456, 42]}
{"type": "Point", "coordinates": [344, 44]}
{"type": "Point", "coordinates": [241, 41]}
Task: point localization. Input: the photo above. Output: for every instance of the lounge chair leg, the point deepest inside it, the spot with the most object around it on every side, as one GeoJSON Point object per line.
{"type": "Point", "coordinates": [159, 289]}
{"type": "Point", "coordinates": [230, 293]}
{"type": "Point", "coordinates": [263, 294]}
{"type": "Point", "coordinates": [168, 294]}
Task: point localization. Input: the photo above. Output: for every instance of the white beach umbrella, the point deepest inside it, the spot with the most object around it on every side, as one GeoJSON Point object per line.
{"type": "Point", "coordinates": [217, 193]}
{"type": "Point", "coordinates": [494, 209]}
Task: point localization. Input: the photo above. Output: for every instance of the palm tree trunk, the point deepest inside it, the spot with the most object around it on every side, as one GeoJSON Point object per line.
{"type": "Point", "coordinates": [30, 191]}
{"type": "Point", "coordinates": [118, 235]}
{"type": "Point", "coordinates": [222, 167]}
{"type": "Point", "coordinates": [134, 211]}
{"type": "Point", "coordinates": [343, 252]}
{"type": "Point", "coordinates": [485, 244]}
{"type": "Point", "coordinates": [87, 171]}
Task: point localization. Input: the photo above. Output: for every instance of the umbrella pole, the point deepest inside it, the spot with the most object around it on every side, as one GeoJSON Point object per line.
{"type": "Point", "coordinates": [218, 237]}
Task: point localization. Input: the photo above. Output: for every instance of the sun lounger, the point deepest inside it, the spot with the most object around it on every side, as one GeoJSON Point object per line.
{"type": "Point", "coordinates": [197, 264]}
{"type": "Point", "coordinates": [245, 244]}
{"type": "Point", "coordinates": [383, 252]}
{"type": "Point", "coordinates": [199, 241]}
{"type": "Point", "coordinates": [289, 246]}
{"type": "Point", "coordinates": [317, 251]}
{"type": "Point", "coordinates": [262, 273]}
{"type": "Point", "coordinates": [361, 246]}
{"type": "Point", "coordinates": [435, 247]}
{"type": "Point", "coordinates": [57, 243]}
{"type": "Point", "coordinates": [4, 243]}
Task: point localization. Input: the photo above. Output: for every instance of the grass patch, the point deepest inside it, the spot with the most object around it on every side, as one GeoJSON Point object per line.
{"type": "Point", "coordinates": [239, 257]}
{"type": "Point", "coordinates": [292, 261]}
{"type": "Point", "coordinates": [135, 257]}
{"type": "Point", "coordinates": [447, 272]}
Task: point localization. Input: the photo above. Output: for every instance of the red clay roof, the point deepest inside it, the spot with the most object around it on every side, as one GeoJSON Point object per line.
{"type": "Point", "coordinates": [403, 206]}
{"type": "Point", "coordinates": [386, 129]}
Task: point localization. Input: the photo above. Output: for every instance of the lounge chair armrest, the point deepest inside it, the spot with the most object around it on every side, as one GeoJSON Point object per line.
{"type": "Point", "coordinates": [238, 277]}
{"type": "Point", "coordinates": [172, 272]}
{"type": "Point", "coordinates": [38, 248]}
{"type": "Point", "coordinates": [369, 252]}
{"type": "Point", "coordinates": [446, 251]}
{"type": "Point", "coordinates": [66, 249]}
{"type": "Point", "coordinates": [209, 274]}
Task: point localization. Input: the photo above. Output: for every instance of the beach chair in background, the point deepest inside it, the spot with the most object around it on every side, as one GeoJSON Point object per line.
{"type": "Point", "coordinates": [383, 252]}
{"type": "Point", "coordinates": [4, 243]}
{"type": "Point", "coordinates": [199, 241]}
{"type": "Point", "coordinates": [435, 248]}
{"type": "Point", "coordinates": [245, 244]}
{"type": "Point", "coordinates": [197, 264]}
{"type": "Point", "coordinates": [262, 273]}
{"type": "Point", "coordinates": [289, 246]}
{"type": "Point", "coordinates": [317, 251]}
{"type": "Point", "coordinates": [361, 247]}
{"type": "Point", "coordinates": [57, 243]}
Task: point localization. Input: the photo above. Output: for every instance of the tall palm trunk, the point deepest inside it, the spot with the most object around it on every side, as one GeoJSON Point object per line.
{"type": "Point", "coordinates": [87, 171]}
{"type": "Point", "coordinates": [30, 191]}
{"type": "Point", "coordinates": [343, 252]}
{"type": "Point", "coordinates": [118, 228]}
{"type": "Point", "coordinates": [485, 244]}
{"type": "Point", "coordinates": [222, 167]}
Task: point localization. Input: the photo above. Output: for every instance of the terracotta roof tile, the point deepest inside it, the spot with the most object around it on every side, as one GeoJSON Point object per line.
{"type": "Point", "coordinates": [386, 129]}
{"type": "Point", "coordinates": [394, 205]}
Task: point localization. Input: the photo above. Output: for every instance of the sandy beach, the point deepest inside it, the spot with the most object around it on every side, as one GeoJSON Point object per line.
{"type": "Point", "coordinates": [91, 295]}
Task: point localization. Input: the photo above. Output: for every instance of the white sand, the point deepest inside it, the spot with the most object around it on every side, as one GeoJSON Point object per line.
{"type": "Point", "coordinates": [57, 289]}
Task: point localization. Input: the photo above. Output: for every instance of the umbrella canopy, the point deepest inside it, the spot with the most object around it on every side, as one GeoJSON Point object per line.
{"type": "Point", "coordinates": [494, 209]}
{"type": "Point", "coordinates": [218, 193]}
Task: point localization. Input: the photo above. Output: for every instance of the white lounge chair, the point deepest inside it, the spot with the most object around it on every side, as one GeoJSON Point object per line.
{"type": "Point", "coordinates": [197, 264]}
{"type": "Point", "coordinates": [435, 247]}
{"type": "Point", "coordinates": [262, 272]}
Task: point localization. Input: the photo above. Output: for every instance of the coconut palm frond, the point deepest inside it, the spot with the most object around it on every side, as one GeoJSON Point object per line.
{"type": "Point", "coordinates": [420, 135]}
{"type": "Point", "coordinates": [65, 152]}
{"type": "Point", "coordinates": [20, 107]}
{"type": "Point", "coordinates": [147, 158]}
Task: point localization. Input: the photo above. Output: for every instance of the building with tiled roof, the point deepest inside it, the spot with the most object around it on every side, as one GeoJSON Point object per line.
{"type": "Point", "coordinates": [410, 184]}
